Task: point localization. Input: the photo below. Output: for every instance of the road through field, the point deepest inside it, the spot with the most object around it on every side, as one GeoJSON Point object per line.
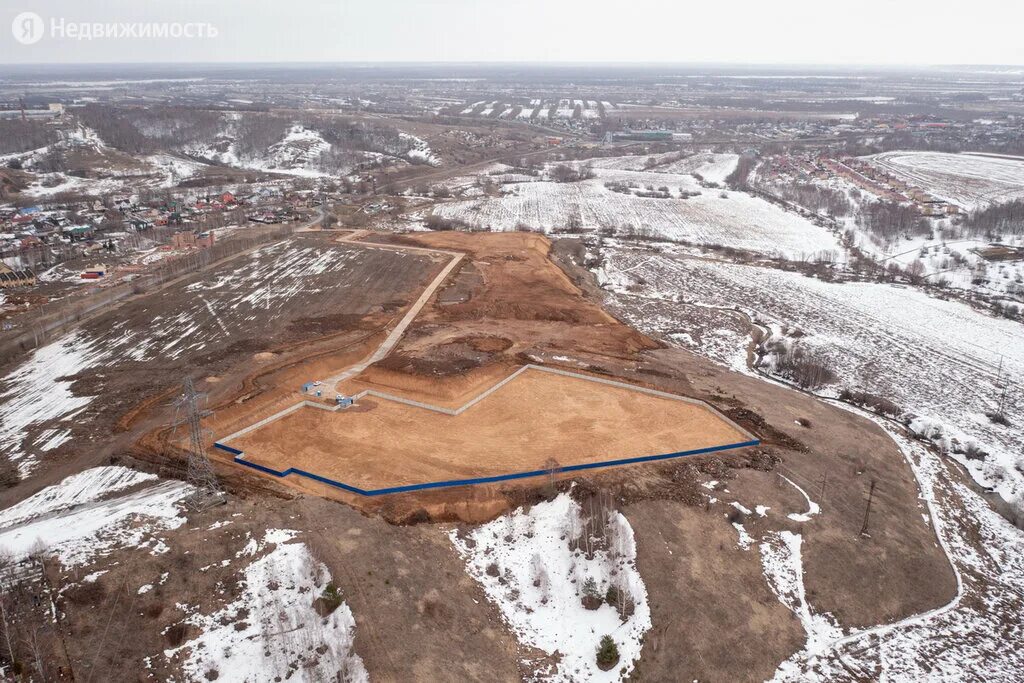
{"type": "Point", "coordinates": [389, 342]}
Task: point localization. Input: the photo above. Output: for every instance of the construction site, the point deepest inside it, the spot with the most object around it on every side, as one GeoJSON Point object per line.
{"type": "Point", "coordinates": [537, 421]}
{"type": "Point", "coordinates": [423, 379]}
{"type": "Point", "coordinates": [584, 372]}
{"type": "Point", "coordinates": [412, 415]}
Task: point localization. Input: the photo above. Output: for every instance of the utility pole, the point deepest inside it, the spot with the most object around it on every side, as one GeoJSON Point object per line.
{"type": "Point", "coordinates": [200, 470]}
{"type": "Point", "coordinates": [824, 481]}
{"type": "Point", "coordinates": [1002, 385]}
{"type": "Point", "coordinates": [867, 510]}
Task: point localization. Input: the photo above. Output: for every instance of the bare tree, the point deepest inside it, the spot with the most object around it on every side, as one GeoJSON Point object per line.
{"type": "Point", "coordinates": [541, 581]}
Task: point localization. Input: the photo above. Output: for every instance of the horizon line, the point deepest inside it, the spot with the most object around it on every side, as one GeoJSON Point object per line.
{"type": "Point", "coordinates": [577, 63]}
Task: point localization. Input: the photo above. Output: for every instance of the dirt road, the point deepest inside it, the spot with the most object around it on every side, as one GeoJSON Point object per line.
{"type": "Point", "coordinates": [392, 339]}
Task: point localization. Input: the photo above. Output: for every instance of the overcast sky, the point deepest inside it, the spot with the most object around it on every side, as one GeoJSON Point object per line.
{"type": "Point", "coordinates": [891, 32]}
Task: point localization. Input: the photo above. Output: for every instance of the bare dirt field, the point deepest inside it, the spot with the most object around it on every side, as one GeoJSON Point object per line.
{"type": "Point", "coordinates": [536, 417]}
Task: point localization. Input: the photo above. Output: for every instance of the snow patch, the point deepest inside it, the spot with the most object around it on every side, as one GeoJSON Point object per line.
{"type": "Point", "coordinates": [540, 581]}
{"type": "Point", "coordinates": [272, 630]}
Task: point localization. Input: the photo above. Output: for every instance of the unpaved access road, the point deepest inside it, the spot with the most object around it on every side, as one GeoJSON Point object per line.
{"type": "Point", "coordinates": [392, 339]}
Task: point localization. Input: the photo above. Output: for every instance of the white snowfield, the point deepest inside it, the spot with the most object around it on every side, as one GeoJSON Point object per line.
{"type": "Point", "coordinates": [35, 393]}
{"type": "Point", "coordinates": [971, 181]}
{"type": "Point", "coordinates": [736, 219]}
{"type": "Point", "coordinates": [938, 360]}
{"type": "Point", "coordinates": [76, 520]}
{"type": "Point", "coordinates": [78, 489]}
{"type": "Point", "coordinates": [714, 168]}
{"type": "Point", "coordinates": [955, 261]}
{"type": "Point", "coordinates": [272, 631]}
{"type": "Point", "coordinates": [539, 584]}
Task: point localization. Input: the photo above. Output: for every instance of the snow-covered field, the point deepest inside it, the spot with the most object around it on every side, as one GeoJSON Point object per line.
{"type": "Point", "coordinates": [714, 168]}
{"type": "Point", "coordinates": [35, 393]}
{"type": "Point", "coordinates": [720, 217]}
{"type": "Point", "coordinates": [77, 489]}
{"type": "Point", "coordinates": [78, 518]}
{"type": "Point", "coordinates": [933, 357]}
{"type": "Point", "coordinates": [938, 360]}
{"type": "Point", "coordinates": [970, 181]}
{"type": "Point", "coordinates": [528, 569]}
{"type": "Point", "coordinates": [271, 631]}
{"type": "Point", "coordinates": [959, 263]}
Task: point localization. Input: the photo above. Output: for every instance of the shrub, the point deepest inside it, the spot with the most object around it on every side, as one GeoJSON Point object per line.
{"type": "Point", "coordinates": [433, 222]}
{"type": "Point", "coordinates": [882, 406]}
{"type": "Point", "coordinates": [996, 417]}
{"type": "Point", "coordinates": [9, 475]}
{"type": "Point", "coordinates": [328, 601]}
{"type": "Point", "coordinates": [973, 451]}
{"type": "Point", "coordinates": [607, 654]}
{"type": "Point", "coordinates": [591, 596]}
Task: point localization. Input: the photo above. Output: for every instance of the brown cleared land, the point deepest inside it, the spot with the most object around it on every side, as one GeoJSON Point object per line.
{"type": "Point", "coordinates": [536, 416]}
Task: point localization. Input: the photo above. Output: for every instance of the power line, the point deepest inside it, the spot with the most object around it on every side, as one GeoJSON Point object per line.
{"type": "Point", "coordinates": [867, 510]}
{"type": "Point", "coordinates": [200, 470]}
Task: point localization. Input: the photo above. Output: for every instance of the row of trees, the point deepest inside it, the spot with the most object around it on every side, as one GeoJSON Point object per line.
{"type": "Point", "coordinates": [815, 198]}
{"type": "Point", "coordinates": [890, 220]}
{"type": "Point", "coordinates": [998, 219]}
{"type": "Point", "coordinates": [739, 179]}
{"type": "Point", "coordinates": [21, 136]}
{"type": "Point", "coordinates": [151, 129]}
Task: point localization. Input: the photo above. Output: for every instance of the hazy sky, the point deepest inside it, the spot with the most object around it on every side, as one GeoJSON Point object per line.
{"type": "Point", "coordinates": [739, 31]}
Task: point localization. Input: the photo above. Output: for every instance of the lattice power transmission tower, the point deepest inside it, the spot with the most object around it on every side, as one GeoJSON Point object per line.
{"type": "Point", "coordinates": [189, 411]}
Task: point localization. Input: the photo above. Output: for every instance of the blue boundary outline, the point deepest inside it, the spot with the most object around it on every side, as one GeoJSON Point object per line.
{"type": "Point", "coordinates": [479, 480]}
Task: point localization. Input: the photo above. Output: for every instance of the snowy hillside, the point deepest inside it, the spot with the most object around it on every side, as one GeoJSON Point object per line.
{"type": "Point", "coordinates": [272, 629]}
{"type": "Point", "coordinates": [531, 567]}
{"type": "Point", "coordinates": [941, 362]}
{"type": "Point", "coordinates": [79, 518]}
